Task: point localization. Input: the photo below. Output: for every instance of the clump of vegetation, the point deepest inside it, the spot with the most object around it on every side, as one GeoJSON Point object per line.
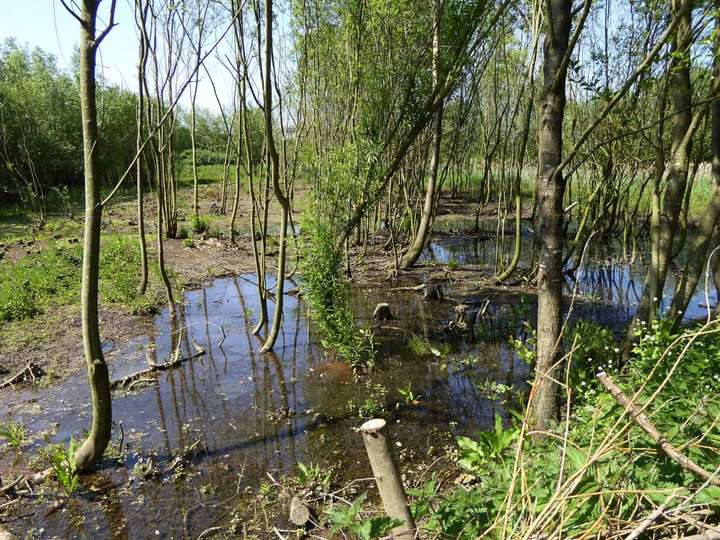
{"type": "Point", "coordinates": [63, 463]}
{"type": "Point", "coordinates": [351, 519]}
{"type": "Point", "coordinates": [420, 346]}
{"type": "Point", "coordinates": [14, 433]}
{"type": "Point", "coordinates": [312, 477]}
{"type": "Point", "coordinates": [325, 292]}
{"type": "Point", "coordinates": [199, 225]}
{"type": "Point", "coordinates": [373, 405]}
{"type": "Point", "coordinates": [408, 396]}
{"type": "Point", "coordinates": [604, 469]}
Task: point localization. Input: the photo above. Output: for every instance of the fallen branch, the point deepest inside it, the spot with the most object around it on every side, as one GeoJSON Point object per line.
{"type": "Point", "coordinates": [121, 383]}
{"type": "Point", "coordinates": [30, 372]}
{"type": "Point", "coordinates": [416, 288]}
{"type": "Point", "coordinates": [646, 424]}
{"type": "Point", "coordinates": [29, 480]}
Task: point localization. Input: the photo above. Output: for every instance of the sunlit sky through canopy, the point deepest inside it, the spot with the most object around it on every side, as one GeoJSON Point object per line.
{"type": "Point", "coordinates": [46, 24]}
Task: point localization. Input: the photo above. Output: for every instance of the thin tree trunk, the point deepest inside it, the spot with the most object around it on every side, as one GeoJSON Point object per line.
{"type": "Point", "coordinates": [97, 440]}
{"type": "Point", "coordinates": [193, 146]}
{"type": "Point", "coordinates": [549, 211]}
{"type": "Point", "coordinates": [666, 216]}
{"type": "Point", "coordinates": [274, 162]}
{"type": "Point", "coordinates": [699, 249]}
{"type": "Point", "coordinates": [429, 207]}
{"type": "Point", "coordinates": [139, 141]}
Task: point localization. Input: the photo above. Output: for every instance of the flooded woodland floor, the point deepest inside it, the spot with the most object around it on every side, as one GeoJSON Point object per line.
{"type": "Point", "coordinates": [199, 441]}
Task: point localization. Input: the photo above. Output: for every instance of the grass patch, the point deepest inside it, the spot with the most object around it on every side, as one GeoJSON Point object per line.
{"type": "Point", "coordinates": [52, 277]}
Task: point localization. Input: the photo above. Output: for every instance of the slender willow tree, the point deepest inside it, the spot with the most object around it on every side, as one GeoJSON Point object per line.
{"type": "Point", "coordinates": [666, 210]}
{"type": "Point", "coordinates": [273, 160]}
{"type": "Point", "coordinates": [549, 209]}
{"type": "Point", "coordinates": [97, 440]}
{"type": "Point", "coordinates": [708, 223]}
{"type": "Point", "coordinates": [142, 66]}
{"type": "Point", "coordinates": [428, 212]}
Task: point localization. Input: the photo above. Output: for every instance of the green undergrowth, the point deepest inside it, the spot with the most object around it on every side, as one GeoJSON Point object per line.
{"type": "Point", "coordinates": [605, 471]}
{"type": "Point", "coordinates": [325, 292]}
{"type": "Point", "coordinates": [51, 277]}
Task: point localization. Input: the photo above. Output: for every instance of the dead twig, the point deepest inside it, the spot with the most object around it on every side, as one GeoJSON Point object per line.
{"type": "Point", "coordinates": [30, 372]}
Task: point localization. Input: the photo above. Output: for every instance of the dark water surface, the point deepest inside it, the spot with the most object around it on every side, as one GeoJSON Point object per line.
{"type": "Point", "coordinates": [262, 413]}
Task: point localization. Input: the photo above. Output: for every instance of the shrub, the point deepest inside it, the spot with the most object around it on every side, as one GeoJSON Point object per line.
{"type": "Point", "coordinates": [325, 292]}
{"type": "Point", "coordinates": [605, 470]}
{"type": "Point", "coordinates": [199, 225]}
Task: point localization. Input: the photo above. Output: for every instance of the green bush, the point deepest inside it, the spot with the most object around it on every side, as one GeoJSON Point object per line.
{"type": "Point", "coordinates": [199, 224]}
{"type": "Point", "coordinates": [618, 473]}
{"type": "Point", "coordinates": [325, 292]}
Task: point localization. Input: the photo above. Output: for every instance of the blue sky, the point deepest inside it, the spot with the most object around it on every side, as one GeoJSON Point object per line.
{"type": "Point", "coordinates": [46, 24]}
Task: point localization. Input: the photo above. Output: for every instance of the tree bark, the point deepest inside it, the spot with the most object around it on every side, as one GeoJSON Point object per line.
{"type": "Point", "coordinates": [97, 440]}
{"type": "Point", "coordinates": [428, 213]}
{"type": "Point", "coordinates": [549, 211]}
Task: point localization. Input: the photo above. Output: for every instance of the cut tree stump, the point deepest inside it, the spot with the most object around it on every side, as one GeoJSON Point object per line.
{"type": "Point", "coordinates": [382, 312]}
{"type": "Point", "coordinates": [387, 476]}
{"type": "Point", "coordinates": [433, 291]}
{"type": "Point", "coordinates": [299, 512]}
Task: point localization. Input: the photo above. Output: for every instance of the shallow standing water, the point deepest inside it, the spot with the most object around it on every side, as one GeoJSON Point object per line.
{"type": "Point", "coordinates": [254, 413]}
{"type": "Point", "coordinates": [262, 413]}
